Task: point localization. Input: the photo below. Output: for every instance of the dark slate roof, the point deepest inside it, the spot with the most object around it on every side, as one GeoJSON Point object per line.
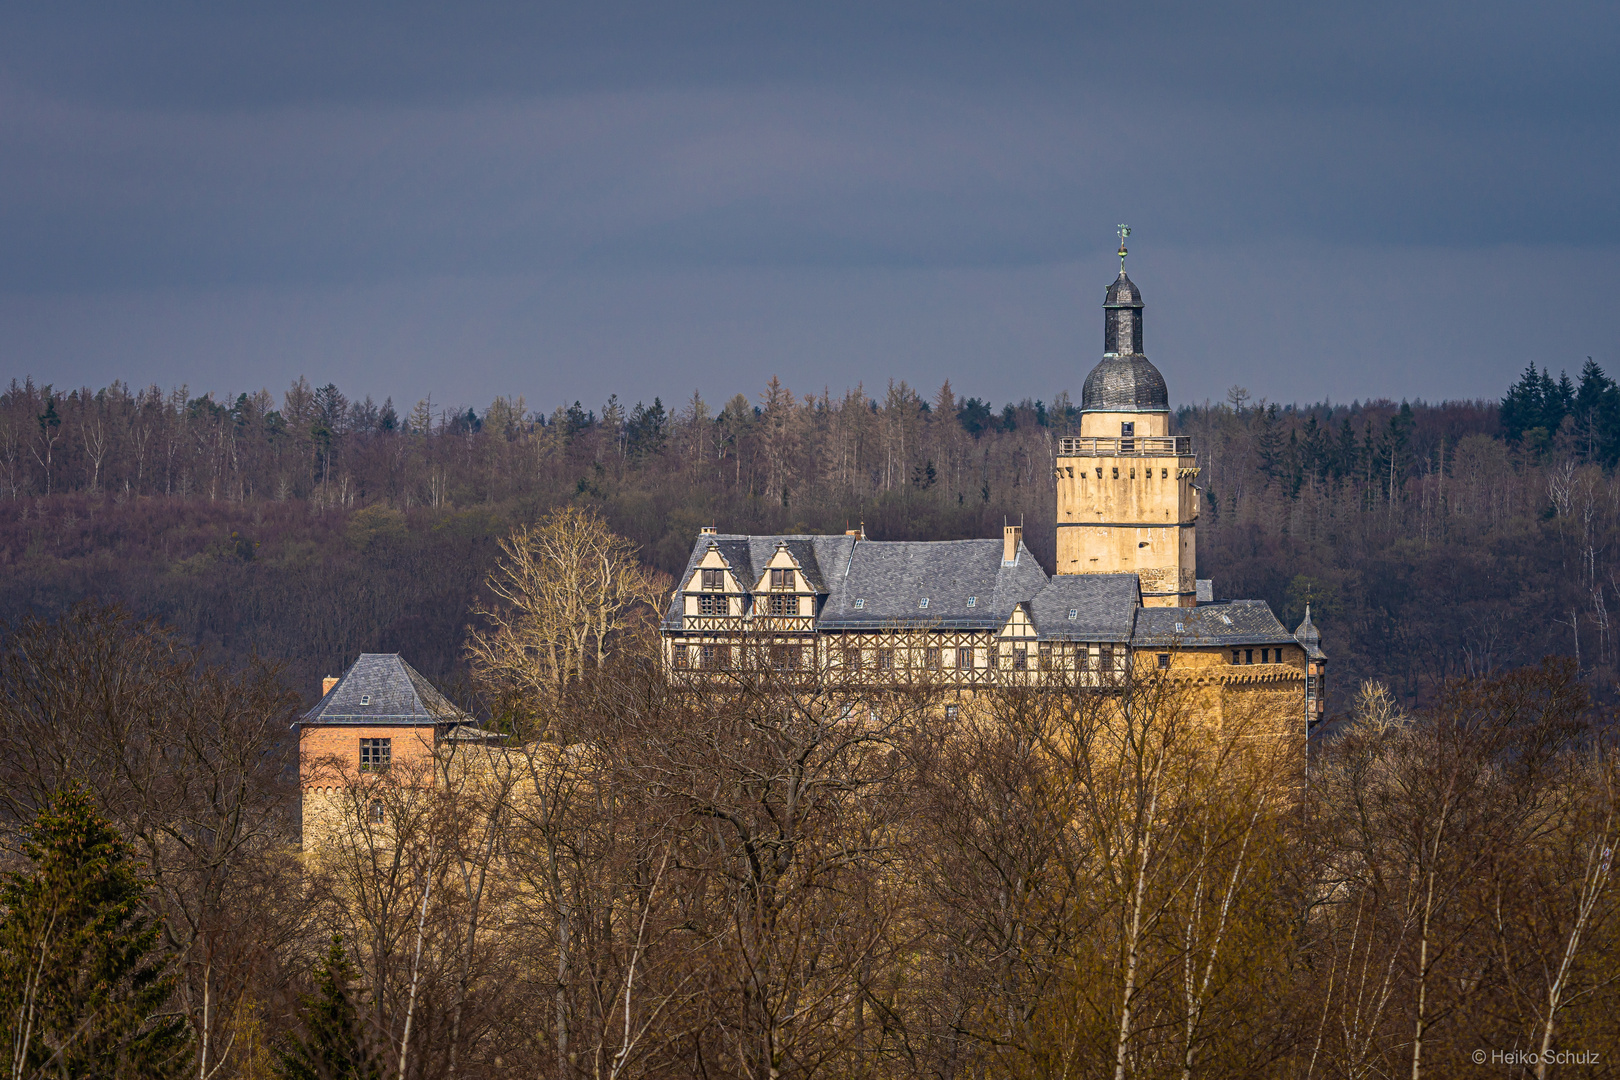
{"type": "Point", "coordinates": [1125, 384]}
{"type": "Point", "coordinates": [1103, 605]}
{"type": "Point", "coordinates": [1123, 293]}
{"type": "Point", "coordinates": [395, 693]}
{"type": "Point", "coordinates": [1310, 637]}
{"type": "Point", "coordinates": [893, 576]}
{"type": "Point", "coordinates": [1229, 622]}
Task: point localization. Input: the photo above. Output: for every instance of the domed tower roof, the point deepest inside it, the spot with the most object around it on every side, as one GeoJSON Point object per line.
{"type": "Point", "coordinates": [1125, 380]}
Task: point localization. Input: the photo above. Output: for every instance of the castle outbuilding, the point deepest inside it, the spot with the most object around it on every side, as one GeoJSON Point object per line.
{"type": "Point", "coordinates": [381, 716]}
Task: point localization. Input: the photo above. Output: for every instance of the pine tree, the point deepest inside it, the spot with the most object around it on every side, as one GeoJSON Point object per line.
{"type": "Point", "coordinates": [1522, 407]}
{"type": "Point", "coordinates": [83, 979]}
{"type": "Point", "coordinates": [1270, 441]}
{"type": "Point", "coordinates": [333, 1046]}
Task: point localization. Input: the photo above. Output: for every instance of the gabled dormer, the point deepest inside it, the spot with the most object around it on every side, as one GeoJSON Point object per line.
{"type": "Point", "coordinates": [1019, 624]}
{"type": "Point", "coordinates": [784, 588]}
{"type": "Point", "coordinates": [714, 589]}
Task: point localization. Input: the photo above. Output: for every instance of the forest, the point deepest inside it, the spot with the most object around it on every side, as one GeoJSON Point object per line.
{"type": "Point", "coordinates": [1432, 540]}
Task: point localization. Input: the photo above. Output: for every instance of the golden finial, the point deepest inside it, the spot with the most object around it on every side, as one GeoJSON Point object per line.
{"type": "Point", "coordinates": [1124, 231]}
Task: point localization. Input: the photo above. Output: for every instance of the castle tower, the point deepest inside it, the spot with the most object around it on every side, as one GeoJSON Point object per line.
{"type": "Point", "coordinates": [1125, 496]}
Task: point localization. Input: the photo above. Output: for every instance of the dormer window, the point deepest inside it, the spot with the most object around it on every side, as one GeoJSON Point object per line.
{"type": "Point", "coordinates": [1074, 613]}
{"type": "Point", "coordinates": [860, 602]}
{"type": "Point", "coordinates": [781, 579]}
{"type": "Point", "coordinates": [923, 602]}
{"type": "Point", "coordinates": [365, 699]}
{"type": "Point", "coordinates": [973, 601]}
{"type": "Point", "coordinates": [714, 579]}
{"type": "Point", "coordinates": [1180, 629]}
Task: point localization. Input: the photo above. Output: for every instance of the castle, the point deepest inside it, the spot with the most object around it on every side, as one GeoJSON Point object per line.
{"type": "Point", "coordinates": [980, 613]}
{"type": "Point", "coordinates": [958, 615]}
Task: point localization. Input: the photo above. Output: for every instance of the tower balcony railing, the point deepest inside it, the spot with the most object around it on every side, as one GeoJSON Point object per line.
{"type": "Point", "coordinates": [1125, 446]}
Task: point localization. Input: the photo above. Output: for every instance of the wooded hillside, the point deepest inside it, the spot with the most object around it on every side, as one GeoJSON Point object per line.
{"type": "Point", "coordinates": [1431, 540]}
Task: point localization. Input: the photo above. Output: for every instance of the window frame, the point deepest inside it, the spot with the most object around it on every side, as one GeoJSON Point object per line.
{"type": "Point", "coordinates": [376, 755]}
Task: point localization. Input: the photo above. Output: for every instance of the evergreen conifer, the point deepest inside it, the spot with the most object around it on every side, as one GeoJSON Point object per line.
{"type": "Point", "coordinates": [333, 1045]}
{"type": "Point", "coordinates": [83, 979]}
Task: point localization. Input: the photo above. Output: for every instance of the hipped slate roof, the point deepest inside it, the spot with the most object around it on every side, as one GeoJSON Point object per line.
{"type": "Point", "coordinates": [381, 688]}
{"type": "Point", "coordinates": [891, 578]}
{"type": "Point", "coordinates": [1229, 622]}
{"type": "Point", "coordinates": [1103, 606]}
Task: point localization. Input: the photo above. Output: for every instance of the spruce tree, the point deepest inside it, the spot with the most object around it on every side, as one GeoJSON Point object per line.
{"type": "Point", "coordinates": [83, 980]}
{"type": "Point", "coordinates": [333, 1045]}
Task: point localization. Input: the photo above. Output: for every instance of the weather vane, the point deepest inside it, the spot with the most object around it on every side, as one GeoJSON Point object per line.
{"type": "Point", "coordinates": [1124, 231]}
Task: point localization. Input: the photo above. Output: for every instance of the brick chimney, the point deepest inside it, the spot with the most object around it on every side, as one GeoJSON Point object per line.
{"type": "Point", "coordinates": [327, 684]}
{"type": "Point", "coordinates": [1010, 537]}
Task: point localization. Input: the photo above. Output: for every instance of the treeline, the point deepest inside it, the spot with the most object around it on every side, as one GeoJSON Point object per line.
{"type": "Point", "coordinates": [790, 878]}
{"type": "Point", "coordinates": [1431, 540]}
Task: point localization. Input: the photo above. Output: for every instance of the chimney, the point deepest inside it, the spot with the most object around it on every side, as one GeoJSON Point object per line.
{"type": "Point", "coordinates": [1011, 535]}
{"type": "Point", "coordinates": [708, 530]}
{"type": "Point", "coordinates": [327, 684]}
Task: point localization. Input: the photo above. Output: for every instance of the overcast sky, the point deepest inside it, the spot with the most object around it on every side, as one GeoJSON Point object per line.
{"type": "Point", "coordinates": [566, 201]}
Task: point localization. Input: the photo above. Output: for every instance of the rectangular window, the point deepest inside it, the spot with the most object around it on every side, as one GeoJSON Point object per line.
{"type": "Point", "coordinates": [1310, 688]}
{"type": "Point", "coordinates": [1043, 657]}
{"type": "Point", "coordinates": [680, 657]}
{"type": "Point", "coordinates": [1248, 656]}
{"type": "Point", "coordinates": [378, 812]}
{"type": "Point", "coordinates": [781, 579]}
{"type": "Point", "coordinates": [951, 712]}
{"type": "Point", "coordinates": [711, 604]}
{"type": "Point", "coordinates": [787, 657]}
{"type": "Point", "coordinates": [1020, 659]}
{"type": "Point", "coordinates": [885, 659]}
{"type": "Point", "coordinates": [784, 603]}
{"type": "Point", "coordinates": [1164, 661]}
{"type": "Point", "coordinates": [931, 659]}
{"type": "Point", "coordinates": [964, 658]}
{"type": "Point", "coordinates": [376, 754]}
{"type": "Point", "coordinates": [1237, 656]}
{"type": "Point", "coordinates": [714, 579]}
{"type": "Point", "coordinates": [852, 659]}
{"type": "Point", "coordinates": [1106, 658]}
{"type": "Point", "coordinates": [714, 657]}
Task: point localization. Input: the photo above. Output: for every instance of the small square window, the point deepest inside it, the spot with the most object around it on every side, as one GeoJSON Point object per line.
{"type": "Point", "coordinates": [1164, 661]}
{"type": "Point", "coordinates": [973, 601]}
{"type": "Point", "coordinates": [860, 602]}
{"type": "Point", "coordinates": [923, 602]}
{"type": "Point", "coordinates": [951, 712]}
